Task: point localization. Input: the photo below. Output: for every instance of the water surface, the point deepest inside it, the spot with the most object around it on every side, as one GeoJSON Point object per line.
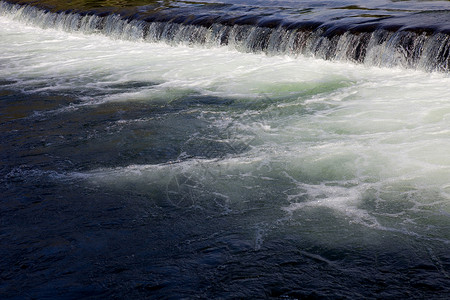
{"type": "Point", "coordinates": [132, 167]}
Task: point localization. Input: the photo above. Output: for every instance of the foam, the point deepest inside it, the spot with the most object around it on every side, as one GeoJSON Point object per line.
{"type": "Point", "coordinates": [318, 134]}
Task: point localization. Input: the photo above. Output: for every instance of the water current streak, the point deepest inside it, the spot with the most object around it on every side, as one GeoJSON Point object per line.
{"type": "Point", "coordinates": [384, 42]}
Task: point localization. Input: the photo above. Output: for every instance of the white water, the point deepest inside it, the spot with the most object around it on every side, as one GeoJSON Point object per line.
{"type": "Point", "coordinates": [382, 48]}
{"type": "Point", "coordinates": [370, 144]}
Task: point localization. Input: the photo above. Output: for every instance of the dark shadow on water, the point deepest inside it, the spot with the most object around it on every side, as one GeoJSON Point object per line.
{"type": "Point", "coordinates": [61, 133]}
{"type": "Point", "coordinates": [69, 240]}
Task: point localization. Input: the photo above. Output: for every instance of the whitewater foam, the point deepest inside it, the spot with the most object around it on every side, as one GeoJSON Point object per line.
{"type": "Point", "coordinates": [373, 44]}
{"type": "Point", "coordinates": [364, 142]}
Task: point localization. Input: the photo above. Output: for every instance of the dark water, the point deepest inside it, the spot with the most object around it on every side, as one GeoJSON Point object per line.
{"type": "Point", "coordinates": [206, 168]}
{"type": "Point", "coordinates": [61, 238]}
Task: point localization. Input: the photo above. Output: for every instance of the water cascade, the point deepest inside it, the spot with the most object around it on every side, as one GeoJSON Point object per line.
{"type": "Point", "coordinates": [382, 42]}
{"type": "Point", "coordinates": [224, 149]}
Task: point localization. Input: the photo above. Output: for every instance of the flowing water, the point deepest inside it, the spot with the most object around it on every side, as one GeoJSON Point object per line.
{"type": "Point", "coordinates": [181, 150]}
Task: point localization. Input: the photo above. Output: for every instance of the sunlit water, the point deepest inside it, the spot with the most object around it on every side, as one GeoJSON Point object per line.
{"type": "Point", "coordinates": [133, 168]}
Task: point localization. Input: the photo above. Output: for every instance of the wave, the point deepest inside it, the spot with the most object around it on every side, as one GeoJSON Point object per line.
{"type": "Point", "coordinates": [383, 43]}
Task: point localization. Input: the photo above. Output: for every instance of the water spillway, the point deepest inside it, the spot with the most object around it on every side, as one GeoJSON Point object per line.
{"type": "Point", "coordinates": [375, 37]}
{"type": "Point", "coordinates": [224, 149]}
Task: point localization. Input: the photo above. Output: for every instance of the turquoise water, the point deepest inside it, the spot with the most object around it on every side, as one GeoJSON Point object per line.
{"type": "Point", "coordinates": [137, 168]}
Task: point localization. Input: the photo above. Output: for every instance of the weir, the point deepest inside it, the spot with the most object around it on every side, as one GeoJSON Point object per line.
{"type": "Point", "coordinates": [234, 165]}
{"type": "Point", "coordinates": [384, 42]}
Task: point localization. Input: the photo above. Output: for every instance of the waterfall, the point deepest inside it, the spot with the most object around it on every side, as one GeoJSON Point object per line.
{"type": "Point", "coordinates": [373, 45]}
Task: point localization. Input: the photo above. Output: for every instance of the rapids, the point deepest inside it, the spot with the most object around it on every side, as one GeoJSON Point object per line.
{"type": "Point", "coordinates": [141, 164]}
